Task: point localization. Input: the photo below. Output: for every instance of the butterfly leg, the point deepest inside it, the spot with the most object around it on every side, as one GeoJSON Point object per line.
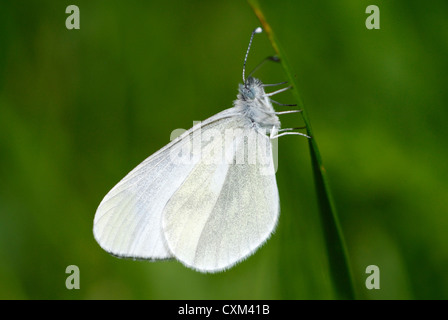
{"type": "Point", "coordinates": [275, 132]}
{"type": "Point", "coordinates": [283, 104]}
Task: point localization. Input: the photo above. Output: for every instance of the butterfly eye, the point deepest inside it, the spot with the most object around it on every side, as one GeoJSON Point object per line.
{"type": "Point", "coordinates": [247, 91]}
{"type": "Point", "coordinates": [251, 93]}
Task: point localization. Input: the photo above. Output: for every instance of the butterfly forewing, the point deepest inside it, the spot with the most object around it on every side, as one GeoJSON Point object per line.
{"type": "Point", "coordinates": [128, 222]}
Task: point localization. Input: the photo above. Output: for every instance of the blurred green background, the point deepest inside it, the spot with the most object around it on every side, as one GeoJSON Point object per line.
{"type": "Point", "coordinates": [81, 108]}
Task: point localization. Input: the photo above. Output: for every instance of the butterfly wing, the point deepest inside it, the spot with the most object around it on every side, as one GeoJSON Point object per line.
{"type": "Point", "coordinates": [223, 212]}
{"type": "Point", "coordinates": [128, 221]}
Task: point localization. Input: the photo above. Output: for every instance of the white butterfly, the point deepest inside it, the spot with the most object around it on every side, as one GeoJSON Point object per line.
{"type": "Point", "coordinates": [209, 198]}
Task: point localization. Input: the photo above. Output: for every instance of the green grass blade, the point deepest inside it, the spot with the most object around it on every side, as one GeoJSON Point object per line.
{"type": "Point", "coordinates": [334, 240]}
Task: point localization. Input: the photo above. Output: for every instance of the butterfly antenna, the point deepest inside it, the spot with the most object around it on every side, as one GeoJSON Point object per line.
{"type": "Point", "coordinates": [257, 30]}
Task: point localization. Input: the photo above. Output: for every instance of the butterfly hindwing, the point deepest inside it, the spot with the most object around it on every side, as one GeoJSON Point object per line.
{"type": "Point", "coordinates": [224, 211]}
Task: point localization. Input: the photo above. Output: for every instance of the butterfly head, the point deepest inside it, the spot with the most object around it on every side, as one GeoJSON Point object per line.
{"type": "Point", "coordinates": [252, 89]}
